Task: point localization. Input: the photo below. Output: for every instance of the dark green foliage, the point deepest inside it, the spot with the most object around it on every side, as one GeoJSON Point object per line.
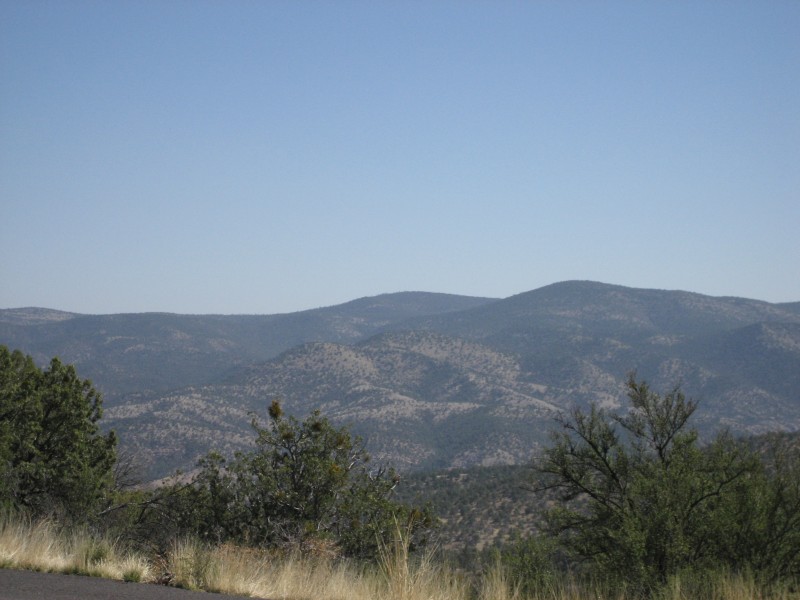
{"type": "Point", "coordinates": [53, 457]}
{"type": "Point", "coordinates": [764, 509]}
{"type": "Point", "coordinates": [531, 564]}
{"type": "Point", "coordinates": [305, 483]}
{"type": "Point", "coordinates": [641, 500]}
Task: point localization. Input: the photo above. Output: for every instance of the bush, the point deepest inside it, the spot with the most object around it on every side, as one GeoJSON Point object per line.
{"type": "Point", "coordinates": [531, 564]}
{"type": "Point", "coordinates": [642, 500]}
{"type": "Point", "coordinates": [305, 485]}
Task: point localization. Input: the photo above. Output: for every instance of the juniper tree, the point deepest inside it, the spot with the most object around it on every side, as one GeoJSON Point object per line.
{"type": "Point", "coordinates": [53, 456]}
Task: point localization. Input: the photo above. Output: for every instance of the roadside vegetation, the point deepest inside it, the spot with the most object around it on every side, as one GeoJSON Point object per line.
{"type": "Point", "coordinates": [632, 506]}
{"type": "Point", "coordinates": [395, 575]}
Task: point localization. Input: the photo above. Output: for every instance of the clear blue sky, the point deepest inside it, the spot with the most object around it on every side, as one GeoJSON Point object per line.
{"type": "Point", "coordinates": [264, 157]}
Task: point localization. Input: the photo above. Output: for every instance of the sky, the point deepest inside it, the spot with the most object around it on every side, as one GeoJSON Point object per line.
{"type": "Point", "coordinates": [266, 157]}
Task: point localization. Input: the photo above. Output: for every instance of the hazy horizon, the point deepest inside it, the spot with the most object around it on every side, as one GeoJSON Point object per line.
{"type": "Point", "coordinates": [371, 296]}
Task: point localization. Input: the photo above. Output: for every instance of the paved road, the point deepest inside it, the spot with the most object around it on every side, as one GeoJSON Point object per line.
{"type": "Point", "coordinates": [27, 585]}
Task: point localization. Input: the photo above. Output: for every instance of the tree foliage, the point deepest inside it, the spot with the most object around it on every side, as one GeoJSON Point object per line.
{"type": "Point", "coordinates": [53, 457]}
{"type": "Point", "coordinates": [642, 500]}
{"type": "Point", "coordinates": [305, 483]}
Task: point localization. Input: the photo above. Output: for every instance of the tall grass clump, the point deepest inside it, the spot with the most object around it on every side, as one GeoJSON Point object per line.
{"type": "Point", "coordinates": [724, 585]}
{"type": "Point", "coordinates": [42, 546]}
{"type": "Point", "coordinates": [235, 570]}
{"type": "Point", "coordinates": [28, 545]}
{"type": "Point", "coordinates": [282, 576]}
{"type": "Point", "coordinates": [407, 577]}
{"type": "Point", "coordinates": [496, 584]}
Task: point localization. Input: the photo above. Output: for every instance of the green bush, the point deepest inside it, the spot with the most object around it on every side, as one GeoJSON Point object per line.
{"type": "Point", "coordinates": [531, 564]}
{"type": "Point", "coordinates": [305, 485]}
{"type": "Point", "coordinates": [642, 501]}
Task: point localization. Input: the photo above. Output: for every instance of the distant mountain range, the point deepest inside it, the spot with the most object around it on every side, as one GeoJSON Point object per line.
{"type": "Point", "coordinates": [124, 353]}
{"type": "Point", "coordinates": [429, 380]}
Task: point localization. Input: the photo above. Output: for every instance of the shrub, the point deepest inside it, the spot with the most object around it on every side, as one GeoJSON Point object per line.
{"type": "Point", "coordinates": [642, 500]}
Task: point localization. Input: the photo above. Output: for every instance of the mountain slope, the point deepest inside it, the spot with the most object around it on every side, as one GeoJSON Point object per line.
{"type": "Point", "coordinates": [131, 353]}
{"type": "Point", "coordinates": [434, 381]}
{"type": "Point", "coordinates": [426, 400]}
{"type": "Point", "coordinates": [573, 307]}
{"type": "Point", "coordinates": [420, 399]}
{"type": "Point", "coordinates": [709, 345]}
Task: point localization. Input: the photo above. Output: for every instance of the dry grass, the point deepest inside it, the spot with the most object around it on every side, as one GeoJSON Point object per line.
{"type": "Point", "coordinates": [405, 578]}
{"type": "Point", "coordinates": [496, 585]}
{"type": "Point", "coordinates": [42, 546]}
{"type": "Point", "coordinates": [235, 570]}
{"type": "Point", "coordinates": [238, 571]}
{"type": "Point", "coordinates": [731, 586]}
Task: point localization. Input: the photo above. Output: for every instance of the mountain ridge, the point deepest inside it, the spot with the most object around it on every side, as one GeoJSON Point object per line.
{"type": "Point", "coordinates": [132, 352]}
{"type": "Point", "coordinates": [439, 381]}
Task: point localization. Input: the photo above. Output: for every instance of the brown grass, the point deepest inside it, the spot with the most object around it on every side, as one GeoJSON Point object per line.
{"type": "Point", "coordinates": [42, 546]}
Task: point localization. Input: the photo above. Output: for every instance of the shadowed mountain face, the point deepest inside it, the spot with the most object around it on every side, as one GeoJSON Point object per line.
{"type": "Point", "coordinates": [435, 381]}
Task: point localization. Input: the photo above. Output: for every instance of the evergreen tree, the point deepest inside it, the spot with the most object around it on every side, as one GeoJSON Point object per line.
{"type": "Point", "coordinates": [53, 457]}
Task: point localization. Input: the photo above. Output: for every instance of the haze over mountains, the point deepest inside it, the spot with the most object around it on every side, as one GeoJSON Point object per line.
{"type": "Point", "coordinates": [137, 352]}
{"type": "Point", "coordinates": [430, 380]}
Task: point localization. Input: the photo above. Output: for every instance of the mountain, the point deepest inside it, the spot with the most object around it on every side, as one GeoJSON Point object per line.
{"type": "Point", "coordinates": [421, 400]}
{"type": "Point", "coordinates": [739, 356]}
{"type": "Point", "coordinates": [33, 316]}
{"type": "Point", "coordinates": [429, 380]}
{"type": "Point", "coordinates": [133, 353]}
{"type": "Point", "coordinates": [481, 386]}
{"type": "Point", "coordinates": [597, 309]}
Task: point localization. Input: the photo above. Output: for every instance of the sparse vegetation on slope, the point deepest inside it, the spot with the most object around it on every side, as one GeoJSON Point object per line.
{"type": "Point", "coordinates": [479, 386]}
{"type": "Point", "coordinates": [479, 507]}
{"type": "Point", "coordinates": [145, 352]}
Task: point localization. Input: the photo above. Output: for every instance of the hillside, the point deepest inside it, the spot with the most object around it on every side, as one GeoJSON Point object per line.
{"type": "Point", "coordinates": [481, 386]}
{"type": "Point", "coordinates": [429, 380]}
{"type": "Point", "coordinates": [480, 507]}
{"type": "Point", "coordinates": [421, 400]}
{"type": "Point", "coordinates": [134, 353]}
